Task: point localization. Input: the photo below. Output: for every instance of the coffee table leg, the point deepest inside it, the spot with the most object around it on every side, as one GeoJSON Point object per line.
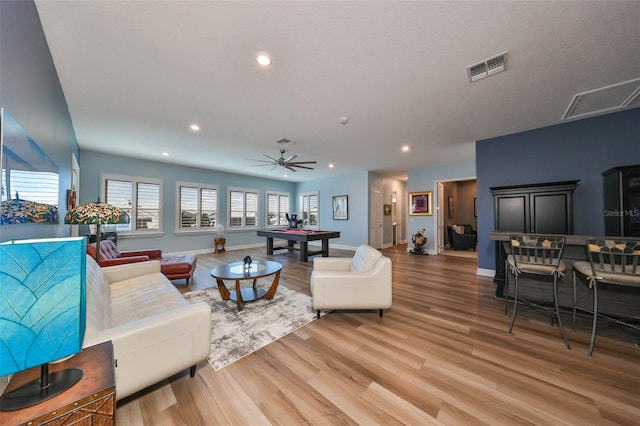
{"type": "Point", "coordinates": [239, 296]}
{"type": "Point", "coordinates": [224, 292]}
{"type": "Point", "coordinates": [274, 286]}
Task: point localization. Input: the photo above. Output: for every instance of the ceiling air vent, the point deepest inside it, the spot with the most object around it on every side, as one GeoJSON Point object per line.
{"type": "Point", "coordinates": [487, 67]}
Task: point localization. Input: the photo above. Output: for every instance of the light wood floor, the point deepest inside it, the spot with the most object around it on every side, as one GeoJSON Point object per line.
{"type": "Point", "coordinates": [440, 355]}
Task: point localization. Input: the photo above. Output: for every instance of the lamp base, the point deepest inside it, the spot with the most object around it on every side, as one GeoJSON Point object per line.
{"type": "Point", "coordinates": [33, 393]}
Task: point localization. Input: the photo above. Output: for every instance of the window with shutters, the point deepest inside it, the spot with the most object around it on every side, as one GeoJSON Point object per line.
{"type": "Point", "coordinates": [309, 212]}
{"type": "Point", "coordinates": [243, 209]}
{"type": "Point", "coordinates": [277, 208]}
{"type": "Point", "coordinates": [140, 197]}
{"type": "Point", "coordinates": [197, 207]}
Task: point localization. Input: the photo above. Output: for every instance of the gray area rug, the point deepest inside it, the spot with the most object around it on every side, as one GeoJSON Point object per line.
{"type": "Point", "coordinates": [237, 334]}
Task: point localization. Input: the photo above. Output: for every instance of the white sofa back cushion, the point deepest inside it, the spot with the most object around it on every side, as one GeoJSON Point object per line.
{"type": "Point", "coordinates": [364, 258]}
{"type": "Point", "coordinates": [98, 298]}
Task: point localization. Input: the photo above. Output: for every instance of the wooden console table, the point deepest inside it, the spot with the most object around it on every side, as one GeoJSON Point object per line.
{"type": "Point", "coordinates": [90, 401]}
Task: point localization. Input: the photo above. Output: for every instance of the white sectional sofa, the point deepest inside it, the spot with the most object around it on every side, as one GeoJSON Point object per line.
{"type": "Point", "coordinates": [155, 331]}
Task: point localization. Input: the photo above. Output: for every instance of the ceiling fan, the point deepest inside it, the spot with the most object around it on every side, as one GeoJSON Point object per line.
{"type": "Point", "coordinates": [287, 163]}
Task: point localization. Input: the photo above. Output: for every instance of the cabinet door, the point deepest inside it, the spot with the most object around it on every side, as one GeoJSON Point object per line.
{"type": "Point", "coordinates": [512, 213]}
{"type": "Point", "coordinates": [550, 213]}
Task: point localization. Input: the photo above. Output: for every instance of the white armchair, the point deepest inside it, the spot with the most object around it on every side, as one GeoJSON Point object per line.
{"type": "Point", "coordinates": [361, 282]}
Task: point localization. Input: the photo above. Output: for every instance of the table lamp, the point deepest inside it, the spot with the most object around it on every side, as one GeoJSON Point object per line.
{"type": "Point", "coordinates": [42, 314]}
{"type": "Point", "coordinates": [96, 214]}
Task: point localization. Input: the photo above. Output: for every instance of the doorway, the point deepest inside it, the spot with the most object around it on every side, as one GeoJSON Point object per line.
{"type": "Point", "coordinates": [457, 201]}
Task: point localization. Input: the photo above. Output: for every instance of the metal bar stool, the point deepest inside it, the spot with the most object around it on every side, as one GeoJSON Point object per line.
{"type": "Point", "coordinates": [536, 255]}
{"type": "Point", "coordinates": [612, 261]}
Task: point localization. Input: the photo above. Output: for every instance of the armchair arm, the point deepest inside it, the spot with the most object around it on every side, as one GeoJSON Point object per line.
{"type": "Point", "coordinates": [151, 254]}
{"type": "Point", "coordinates": [122, 260]}
{"type": "Point", "coordinates": [124, 272]}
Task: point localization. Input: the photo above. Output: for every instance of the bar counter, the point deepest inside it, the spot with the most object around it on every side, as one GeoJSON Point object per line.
{"type": "Point", "coordinates": [613, 300]}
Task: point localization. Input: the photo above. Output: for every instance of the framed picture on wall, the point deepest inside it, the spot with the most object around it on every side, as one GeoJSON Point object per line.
{"type": "Point", "coordinates": [450, 206]}
{"type": "Point", "coordinates": [340, 207]}
{"type": "Point", "coordinates": [387, 209]}
{"type": "Point", "coordinates": [420, 203]}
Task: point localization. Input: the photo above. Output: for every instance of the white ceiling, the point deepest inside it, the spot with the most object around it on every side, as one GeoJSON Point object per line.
{"type": "Point", "coordinates": [136, 73]}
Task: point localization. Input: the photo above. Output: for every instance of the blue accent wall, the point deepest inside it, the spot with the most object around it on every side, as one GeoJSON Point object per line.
{"type": "Point", "coordinates": [578, 150]}
{"type": "Point", "coordinates": [30, 91]}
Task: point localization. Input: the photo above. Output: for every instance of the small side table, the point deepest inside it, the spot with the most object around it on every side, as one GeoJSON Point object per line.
{"type": "Point", "coordinates": [218, 245]}
{"type": "Point", "coordinates": [90, 401]}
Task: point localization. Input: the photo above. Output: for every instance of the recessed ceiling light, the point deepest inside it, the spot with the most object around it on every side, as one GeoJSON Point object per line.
{"type": "Point", "coordinates": [331, 165]}
{"type": "Point", "coordinates": [405, 148]}
{"type": "Point", "coordinates": [285, 175]}
{"type": "Point", "coordinates": [194, 127]}
{"type": "Point", "coordinates": [264, 60]}
{"type": "Point", "coordinates": [166, 154]}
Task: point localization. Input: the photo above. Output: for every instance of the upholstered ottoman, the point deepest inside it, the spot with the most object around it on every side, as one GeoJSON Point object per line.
{"type": "Point", "coordinates": [177, 267]}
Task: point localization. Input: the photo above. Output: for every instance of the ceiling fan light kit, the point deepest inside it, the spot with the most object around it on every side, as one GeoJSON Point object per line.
{"type": "Point", "coordinates": [287, 163]}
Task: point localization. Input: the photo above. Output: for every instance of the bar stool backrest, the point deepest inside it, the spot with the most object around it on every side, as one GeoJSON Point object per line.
{"type": "Point", "coordinates": [615, 260]}
{"type": "Point", "coordinates": [538, 252]}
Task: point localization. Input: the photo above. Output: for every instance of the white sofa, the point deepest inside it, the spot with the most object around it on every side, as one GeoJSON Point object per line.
{"type": "Point", "coordinates": [361, 282]}
{"type": "Point", "coordinates": [155, 331]}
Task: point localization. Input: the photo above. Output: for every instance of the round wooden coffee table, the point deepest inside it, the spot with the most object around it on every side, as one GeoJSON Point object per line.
{"type": "Point", "coordinates": [238, 272]}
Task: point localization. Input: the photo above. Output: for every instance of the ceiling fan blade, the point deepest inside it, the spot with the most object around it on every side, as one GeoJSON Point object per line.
{"type": "Point", "coordinates": [261, 161]}
{"type": "Point", "coordinates": [291, 168]}
{"type": "Point", "coordinates": [295, 163]}
{"type": "Point", "coordinates": [288, 160]}
{"type": "Point", "coordinates": [302, 167]}
{"type": "Point", "coordinates": [270, 157]}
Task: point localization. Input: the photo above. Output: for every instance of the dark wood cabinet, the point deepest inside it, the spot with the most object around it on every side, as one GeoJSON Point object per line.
{"type": "Point", "coordinates": [621, 188]}
{"type": "Point", "coordinates": [542, 209]}
{"type": "Point", "coordinates": [545, 208]}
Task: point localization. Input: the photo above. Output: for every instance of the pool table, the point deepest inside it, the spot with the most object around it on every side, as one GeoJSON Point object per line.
{"type": "Point", "coordinates": [302, 236]}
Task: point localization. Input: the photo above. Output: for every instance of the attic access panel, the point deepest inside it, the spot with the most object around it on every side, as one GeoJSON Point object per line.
{"type": "Point", "coordinates": [606, 99]}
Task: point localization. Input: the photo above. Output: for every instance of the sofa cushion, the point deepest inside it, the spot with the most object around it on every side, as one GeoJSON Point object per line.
{"type": "Point", "coordinates": [142, 297]}
{"type": "Point", "coordinates": [98, 298]}
{"type": "Point", "coordinates": [364, 259]}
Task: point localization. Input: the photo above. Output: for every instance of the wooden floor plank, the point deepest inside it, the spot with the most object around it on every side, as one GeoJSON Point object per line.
{"type": "Point", "coordinates": [440, 355]}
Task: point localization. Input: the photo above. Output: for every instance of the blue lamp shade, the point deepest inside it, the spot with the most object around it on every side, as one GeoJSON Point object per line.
{"type": "Point", "coordinates": [42, 309]}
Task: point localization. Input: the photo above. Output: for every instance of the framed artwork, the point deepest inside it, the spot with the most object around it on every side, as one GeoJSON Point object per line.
{"type": "Point", "coordinates": [420, 203]}
{"type": "Point", "coordinates": [387, 209]}
{"type": "Point", "coordinates": [340, 207]}
{"type": "Point", "coordinates": [475, 207]}
{"type": "Point", "coordinates": [450, 199]}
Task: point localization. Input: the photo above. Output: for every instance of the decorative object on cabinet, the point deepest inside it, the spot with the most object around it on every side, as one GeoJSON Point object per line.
{"type": "Point", "coordinates": [91, 401]}
{"type": "Point", "coordinates": [42, 314]}
{"type": "Point", "coordinates": [621, 188]}
{"type": "Point", "coordinates": [420, 203]}
{"type": "Point", "coordinates": [537, 256]}
{"type": "Point", "coordinates": [340, 207]}
{"type": "Point", "coordinates": [612, 263]}
{"type": "Point", "coordinates": [96, 214]}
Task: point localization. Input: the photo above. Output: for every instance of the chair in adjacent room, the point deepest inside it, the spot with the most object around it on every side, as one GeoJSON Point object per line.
{"type": "Point", "coordinates": [613, 262]}
{"type": "Point", "coordinates": [460, 241]}
{"type": "Point", "coordinates": [361, 282]}
{"type": "Point", "coordinates": [536, 256]}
